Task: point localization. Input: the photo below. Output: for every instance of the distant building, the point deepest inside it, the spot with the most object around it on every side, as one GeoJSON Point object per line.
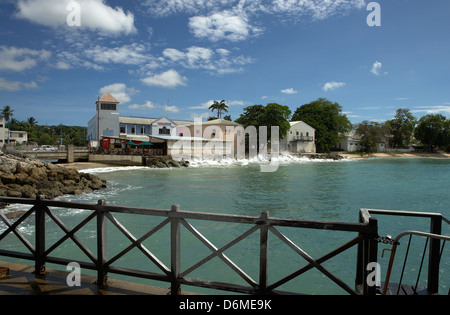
{"type": "Point", "coordinates": [105, 123]}
{"type": "Point", "coordinates": [108, 123]}
{"type": "Point", "coordinates": [350, 142]}
{"type": "Point", "coordinates": [15, 137]}
{"type": "Point", "coordinates": [300, 138]}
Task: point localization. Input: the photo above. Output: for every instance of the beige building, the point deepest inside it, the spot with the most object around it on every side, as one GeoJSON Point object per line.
{"type": "Point", "coordinates": [15, 137]}
{"type": "Point", "coordinates": [212, 134]}
{"type": "Point", "coordinates": [300, 138]}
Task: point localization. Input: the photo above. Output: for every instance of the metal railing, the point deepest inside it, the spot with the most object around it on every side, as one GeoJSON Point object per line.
{"type": "Point", "coordinates": [303, 138]}
{"type": "Point", "coordinates": [101, 213]}
{"type": "Point", "coordinates": [435, 250]}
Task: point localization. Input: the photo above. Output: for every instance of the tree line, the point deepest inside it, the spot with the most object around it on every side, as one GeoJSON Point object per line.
{"type": "Point", "coordinates": [43, 134]}
{"type": "Point", "coordinates": [431, 131]}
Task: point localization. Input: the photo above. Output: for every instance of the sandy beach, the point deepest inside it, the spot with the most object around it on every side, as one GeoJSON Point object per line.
{"type": "Point", "coordinates": [410, 155]}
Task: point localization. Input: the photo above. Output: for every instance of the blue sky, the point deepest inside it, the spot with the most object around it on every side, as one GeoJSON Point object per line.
{"type": "Point", "coordinates": [174, 57]}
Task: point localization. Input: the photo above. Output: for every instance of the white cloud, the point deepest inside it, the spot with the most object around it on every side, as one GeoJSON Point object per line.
{"type": "Point", "coordinates": [94, 15]}
{"type": "Point", "coordinates": [119, 91]}
{"type": "Point", "coordinates": [438, 109]}
{"type": "Point", "coordinates": [219, 61]}
{"type": "Point", "coordinates": [376, 68]}
{"type": "Point", "coordinates": [318, 10]}
{"type": "Point", "coordinates": [168, 79]}
{"type": "Point", "coordinates": [289, 91]}
{"type": "Point", "coordinates": [314, 8]}
{"type": "Point", "coordinates": [149, 105]}
{"type": "Point", "coordinates": [169, 7]}
{"type": "Point", "coordinates": [332, 85]}
{"type": "Point", "coordinates": [133, 54]}
{"type": "Point", "coordinates": [14, 86]}
{"type": "Point", "coordinates": [225, 25]}
{"type": "Point", "coordinates": [20, 59]}
{"type": "Point", "coordinates": [172, 109]}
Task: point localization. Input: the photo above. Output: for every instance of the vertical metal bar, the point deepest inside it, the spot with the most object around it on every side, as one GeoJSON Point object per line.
{"type": "Point", "coordinates": [39, 260]}
{"type": "Point", "coordinates": [175, 252]}
{"type": "Point", "coordinates": [434, 253]}
{"type": "Point", "coordinates": [370, 254]}
{"type": "Point", "coordinates": [359, 277]}
{"type": "Point", "coordinates": [102, 276]}
{"type": "Point", "coordinates": [263, 253]}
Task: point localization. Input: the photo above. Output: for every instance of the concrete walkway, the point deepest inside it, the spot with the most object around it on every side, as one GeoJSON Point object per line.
{"type": "Point", "coordinates": [20, 280]}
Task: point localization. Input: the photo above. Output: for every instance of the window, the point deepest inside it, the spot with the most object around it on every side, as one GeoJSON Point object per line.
{"type": "Point", "coordinates": [122, 129]}
{"type": "Point", "coordinates": [143, 131]}
{"type": "Point", "coordinates": [164, 131]}
{"type": "Point", "coordinates": [106, 106]}
{"type": "Point", "coordinates": [133, 130]}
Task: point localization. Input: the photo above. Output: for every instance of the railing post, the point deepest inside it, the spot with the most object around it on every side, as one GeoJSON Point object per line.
{"type": "Point", "coordinates": [39, 260]}
{"type": "Point", "coordinates": [367, 253]}
{"type": "Point", "coordinates": [434, 253]}
{"type": "Point", "coordinates": [175, 252]}
{"type": "Point", "coordinates": [102, 275]}
{"type": "Point", "coordinates": [263, 253]}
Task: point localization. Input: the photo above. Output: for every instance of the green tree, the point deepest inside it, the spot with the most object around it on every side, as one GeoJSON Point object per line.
{"type": "Point", "coordinates": [32, 121]}
{"type": "Point", "coordinates": [433, 131]}
{"type": "Point", "coordinates": [402, 127]}
{"type": "Point", "coordinates": [372, 133]}
{"type": "Point", "coordinates": [327, 118]}
{"type": "Point", "coordinates": [219, 107]}
{"type": "Point", "coordinates": [7, 112]}
{"type": "Point", "coordinates": [45, 138]}
{"type": "Point", "coordinates": [270, 115]}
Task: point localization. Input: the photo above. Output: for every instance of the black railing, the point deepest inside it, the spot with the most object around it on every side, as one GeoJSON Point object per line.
{"type": "Point", "coordinates": [433, 243]}
{"type": "Point", "coordinates": [366, 240]}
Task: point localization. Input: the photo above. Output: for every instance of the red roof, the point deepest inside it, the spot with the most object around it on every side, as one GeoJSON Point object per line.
{"type": "Point", "coordinates": [108, 98]}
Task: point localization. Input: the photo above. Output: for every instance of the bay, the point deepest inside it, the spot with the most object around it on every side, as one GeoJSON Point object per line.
{"type": "Point", "coordinates": [299, 189]}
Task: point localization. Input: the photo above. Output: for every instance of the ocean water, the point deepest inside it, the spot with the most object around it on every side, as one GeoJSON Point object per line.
{"type": "Point", "coordinates": [299, 189]}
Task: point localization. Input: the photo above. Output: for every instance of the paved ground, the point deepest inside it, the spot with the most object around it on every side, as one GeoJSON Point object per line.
{"type": "Point", "coordinates": [21, 281]}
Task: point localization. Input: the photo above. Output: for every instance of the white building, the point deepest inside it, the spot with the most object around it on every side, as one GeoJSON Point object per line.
{"type": "Point", "coordinates": [19, 137]}
{"type": "Point", "coordinates": [350, 142]}
{"type": "Point", "coordinates": [300, 138]}
{"type": "Point", "coordinates": [105, 123]}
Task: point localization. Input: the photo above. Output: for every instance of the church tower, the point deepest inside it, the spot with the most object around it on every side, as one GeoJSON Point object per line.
{"type": "Point", "coordinates": [106, 121]}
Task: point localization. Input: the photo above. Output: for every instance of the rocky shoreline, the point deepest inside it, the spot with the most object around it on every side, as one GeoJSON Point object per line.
{"type": "Point", "coordinates": [22, 177]}
{"type": "Point", "coordinates": [164, 162]}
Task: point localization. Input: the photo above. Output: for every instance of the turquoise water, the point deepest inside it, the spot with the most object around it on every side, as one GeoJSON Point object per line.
{"type": "Point", "coordinates": [300, 189]}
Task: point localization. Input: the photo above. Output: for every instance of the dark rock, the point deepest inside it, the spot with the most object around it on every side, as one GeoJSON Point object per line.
{"type": "Point", "coordinates": [26, 178]}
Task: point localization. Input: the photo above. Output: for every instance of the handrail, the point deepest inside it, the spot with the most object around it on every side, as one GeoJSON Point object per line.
{"type": "Point", "coordinates": [394, 249]}
{"type": "Point", "coordinates": [175, 218]}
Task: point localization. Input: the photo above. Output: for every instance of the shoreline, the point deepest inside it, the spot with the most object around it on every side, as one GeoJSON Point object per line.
{"type": "Point", "coordinates": [410, 155]}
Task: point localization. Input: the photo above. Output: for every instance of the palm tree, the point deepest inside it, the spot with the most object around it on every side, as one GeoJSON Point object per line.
{"type": "Point", "coordinates": [219, 107]}
{"type": "Point", "coordinates": [32, 121]}
{"type": "Point", "coordinates": [7, 112]}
